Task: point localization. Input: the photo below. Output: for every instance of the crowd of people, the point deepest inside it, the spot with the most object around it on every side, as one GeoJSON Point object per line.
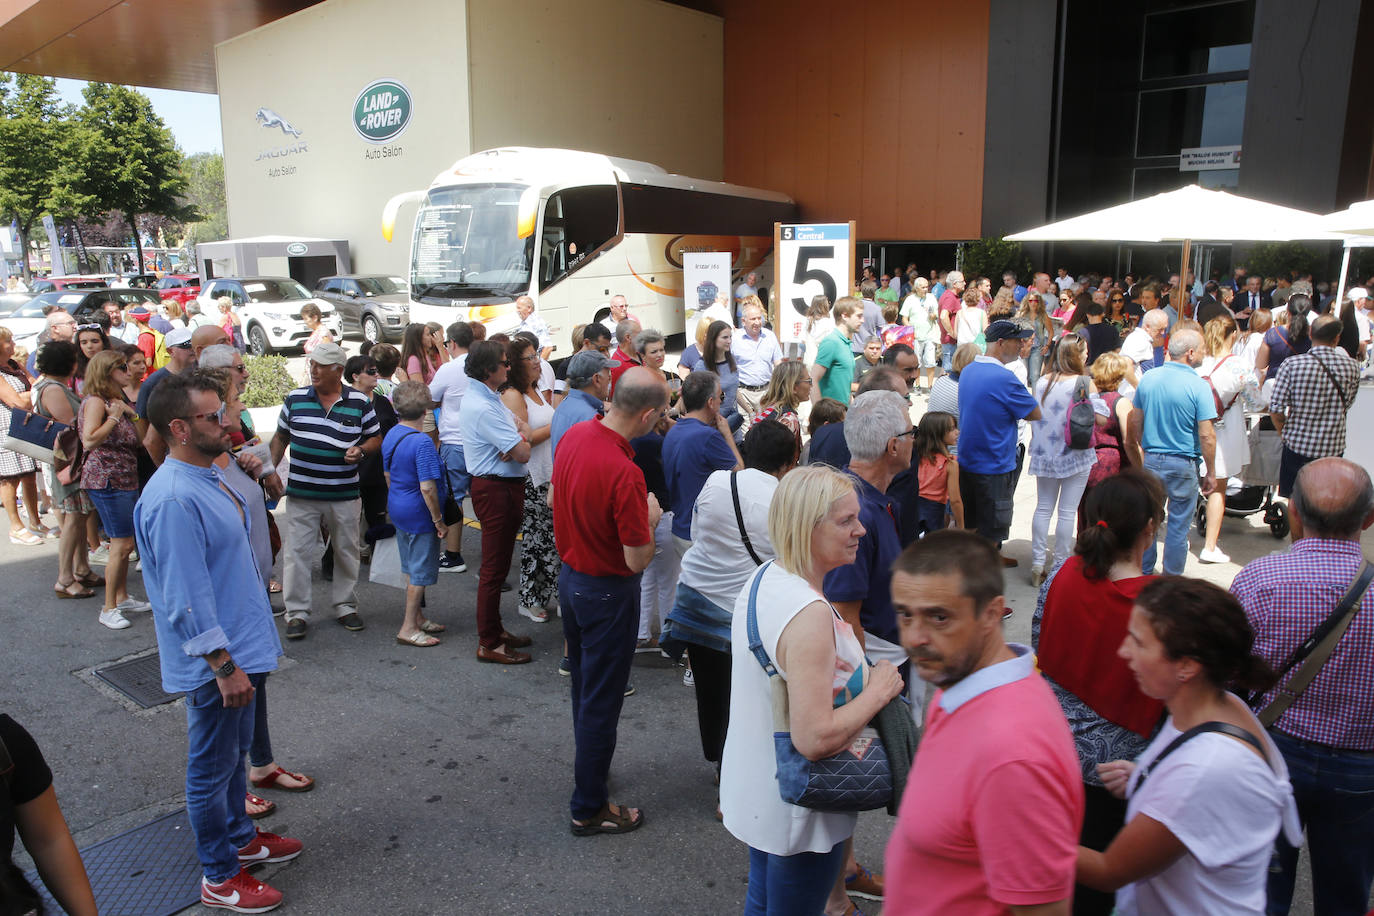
{"type": "Point", "coordinates": [782, 528]}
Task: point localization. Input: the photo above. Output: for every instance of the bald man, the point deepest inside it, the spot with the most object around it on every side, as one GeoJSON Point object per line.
{"type": "Point", "coordinates": [1326, 735]}
{"type": "Point", "coordinates": [207, 335]}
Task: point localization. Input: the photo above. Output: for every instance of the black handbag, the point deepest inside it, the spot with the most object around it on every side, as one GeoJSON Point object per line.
{"type": "Point", "coordinates": [33, 434]}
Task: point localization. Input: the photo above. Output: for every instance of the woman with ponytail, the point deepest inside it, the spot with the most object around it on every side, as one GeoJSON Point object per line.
{"type": "Point", "coordinates": [1080, 621]}
{"type": "Point", "coordinates": [1283, 342]}
{"type": "Point", "coordinates": [1207, 798]}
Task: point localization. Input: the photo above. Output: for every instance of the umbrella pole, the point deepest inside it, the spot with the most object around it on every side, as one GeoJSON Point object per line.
{"type": "Point", "coordinates": [1181, 294]}
{"type": "Point", "coordinates": [1345, 273]}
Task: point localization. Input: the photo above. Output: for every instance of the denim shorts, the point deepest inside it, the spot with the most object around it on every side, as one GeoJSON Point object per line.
{"type": "Point", "coordinates": [455, 467]}
{"type": "Point", "coordinates": [419, 556]}
{"type": "Point", "coordinates": [116, 508]}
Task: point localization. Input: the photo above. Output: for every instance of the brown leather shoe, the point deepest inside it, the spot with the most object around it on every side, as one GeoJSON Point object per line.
{"type": "Point", "coordinates": [1009, 562]}
{"type": "Point", "coordinates": [515, 642]}
{"type": "Point", "coordinates": [501, 655]}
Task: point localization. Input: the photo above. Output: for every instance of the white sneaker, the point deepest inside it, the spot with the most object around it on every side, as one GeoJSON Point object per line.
{"type": "Point", "coordinates": [688, 679]}
{"type": "Point", "coordinates": [110, 617]}
{"type": "Point", "coordinates": [101, 555]}
{"type": "Point", "coordinates": [537, 614]}
{"type": "Point", "coordinates": [132, 606]}
{"type": "Point", "coordinates": [1213, 556]}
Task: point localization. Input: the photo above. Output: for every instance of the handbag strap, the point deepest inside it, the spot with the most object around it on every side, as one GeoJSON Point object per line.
{"type": "Point", "coordinates": [739, 519]}
{"type": "Point", "coordinates": [1340, 394]}
{"type": "Point", "coordinates": [752, 624]}
{"type": "Point", "coordinates": [386, 462]}
{"type": "Point", "coordinates": [1314, 651]}
{"type": "Point", "coordinates": [1225, 728]}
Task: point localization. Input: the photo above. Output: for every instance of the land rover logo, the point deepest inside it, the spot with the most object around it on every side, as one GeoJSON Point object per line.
{"type": "Point", "coordinates": [297, 248]}
{"type": "Point", "coordinates": [382, 111]}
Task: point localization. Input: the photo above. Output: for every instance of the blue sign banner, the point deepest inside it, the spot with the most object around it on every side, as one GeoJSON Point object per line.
{"type": "Point", "coordinates": [819, 232]}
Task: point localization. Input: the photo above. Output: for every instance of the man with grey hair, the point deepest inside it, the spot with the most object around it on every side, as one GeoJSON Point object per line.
{"type": "Point", "coordinates": [589, 386]}
{"type": "Point", "coordinates": [951, 301]}
{"type": "Point", "coordinates": [625, 354]}
{"type": "Point", "coordinates": [1139, 345]}
{"type": "Point", "coordinates": [1172, 420]}
{"type": "Point", "coordinates": [756, 351]}
{"type": "Point", "coordinates": [529, 321]}
{"type": "Point", "coordinates": [620, 310]}
{"type": "Point", "coordinates": [1326, 735]}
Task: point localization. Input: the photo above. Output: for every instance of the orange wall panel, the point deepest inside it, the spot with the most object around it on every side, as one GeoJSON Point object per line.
{"type": "Point", "coordinates": [872, 110]}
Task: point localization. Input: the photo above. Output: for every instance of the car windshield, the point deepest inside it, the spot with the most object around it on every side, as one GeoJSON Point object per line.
{"type": "Point", "coordinates": [274, 290]}
{"type": "Point", "coordinates": [382, 286]}
{"type": "Point", "coordinates": [467, 245]}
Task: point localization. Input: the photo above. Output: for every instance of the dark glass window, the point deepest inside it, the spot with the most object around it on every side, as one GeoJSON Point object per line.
{"type": "Point", "coordinates": [577, 221]}
{"type": "Point", "coordinates": [1205, 39]}
{"type": "Point", "coordinates": [1175, 119]}
{"type": "Point", "coordinates": [674, 211]}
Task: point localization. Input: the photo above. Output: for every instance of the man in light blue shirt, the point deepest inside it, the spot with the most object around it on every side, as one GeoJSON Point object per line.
{"type": "Point", "coordinates": [216, 639]}
{"type": "Point", "coordinates": [496, 447]}
{"type": "Point", "coordinates": [589, 385]}
{"type": "Point", "coordinates": [756, 352]}
{"type": "Point", "coordinates": [1171, 420]}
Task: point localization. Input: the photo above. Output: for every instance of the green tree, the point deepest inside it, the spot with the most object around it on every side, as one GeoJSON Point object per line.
{"type": "Point", "coordinates": [130, 163]}
{"type": "Point", "coordinates": [1281, 259]}
{"type": "Point", "coordinates": [990, 257]}
{"type": "Point", "coordinates": [205, 191]}
{"type": "Point", "coordinates": [40, 156]}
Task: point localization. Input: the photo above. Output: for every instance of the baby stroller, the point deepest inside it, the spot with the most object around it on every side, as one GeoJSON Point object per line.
{"type": "Point", "coordinates": [1258, 484]}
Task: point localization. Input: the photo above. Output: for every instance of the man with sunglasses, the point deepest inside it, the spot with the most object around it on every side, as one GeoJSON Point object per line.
{"type": "Point", "coordinates": [215, 635]}
{"type": "Point", "coordinates": [182, 357]}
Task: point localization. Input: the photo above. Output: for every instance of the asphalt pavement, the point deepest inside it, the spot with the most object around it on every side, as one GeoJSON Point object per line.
{"type": "Point", "coordinates": [442, 783]}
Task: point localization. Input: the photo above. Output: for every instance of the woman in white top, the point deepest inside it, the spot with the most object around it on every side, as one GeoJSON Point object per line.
{"type": "Point", "coordinates": [539, 562]}
{"type": "Point", "coordinates": [795, 854]}
{"type": "Point", "coordinates": [971, 320]}
{"type": "Point", "coordinates": [1061, 473]}
{"type": "Point", "coordinates": [819, 324]}
{"type": "Point", "coordinates": [1235, 386]}
{"type": "Point", "coordinates": [1201, 814]}
{"type": "Point", "coordinates": [922, 311]}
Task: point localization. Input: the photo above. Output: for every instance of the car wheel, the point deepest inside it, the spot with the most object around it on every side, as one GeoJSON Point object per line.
{"type": "Point", "coordinates": [258, 344]}
{"type": "Point", "coordinates": [372, 329]}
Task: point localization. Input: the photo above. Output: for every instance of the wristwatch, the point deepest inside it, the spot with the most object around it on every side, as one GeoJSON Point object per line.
{"type": "Point", "coordinates": [226, 669]}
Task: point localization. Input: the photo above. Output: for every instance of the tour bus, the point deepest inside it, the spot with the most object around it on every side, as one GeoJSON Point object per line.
{"type": "Point", "coordinates": [571, 229]}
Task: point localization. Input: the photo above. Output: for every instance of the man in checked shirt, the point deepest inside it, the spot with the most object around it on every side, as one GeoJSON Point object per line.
{"type": "Point", "coordinates": [1327, 735]}
{"type": "Point", "coordinates": [1313, 392]}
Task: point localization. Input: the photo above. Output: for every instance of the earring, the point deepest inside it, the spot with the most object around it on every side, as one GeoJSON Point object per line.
{"type": "Point", "coordinates": [1182, 677]}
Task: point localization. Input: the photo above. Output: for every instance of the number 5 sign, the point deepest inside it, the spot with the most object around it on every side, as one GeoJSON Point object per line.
{"type": "Point", "coordinates": [812, 260]}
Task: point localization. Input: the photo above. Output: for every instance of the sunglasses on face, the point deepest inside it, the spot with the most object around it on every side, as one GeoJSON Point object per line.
{"type": "Point", "coordinates": [372, 371]}
{"type": "Point", "coordinates": [88, 327]}
{"type": "Point", "coordinates": [217, 416]}
{"type": "Point", "coordinates": [123, 367]}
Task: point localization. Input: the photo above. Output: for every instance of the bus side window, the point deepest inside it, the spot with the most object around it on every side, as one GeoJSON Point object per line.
{"type": "Point", "coordinates": [577, 221]}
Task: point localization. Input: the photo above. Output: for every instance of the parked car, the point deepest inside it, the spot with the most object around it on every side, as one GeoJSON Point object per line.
{"type": "Point", "coordinates": [11, 301]}
{"type": "Point", "coordinates": [48, 284]}
{"type": "Point", "coordinates": [375, 305]}
{"type": "Point", "coordinates": [181, 287]}
{"type": "Point", "coordinates": [136, 281]}
{"type": "Point", "coordinates": [28, 320]}
{"type": "Point", "coordinates": [270, 309]}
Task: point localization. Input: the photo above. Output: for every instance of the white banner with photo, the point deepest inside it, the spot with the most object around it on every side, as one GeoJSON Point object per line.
{"type": "Point", "coordinates": [705, 289]}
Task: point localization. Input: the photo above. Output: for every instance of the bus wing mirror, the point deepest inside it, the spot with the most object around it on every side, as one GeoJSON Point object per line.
{"type": "Point", "coordinates": [393, 207]}
{"type": "Point", "coordinates": [529, 212]}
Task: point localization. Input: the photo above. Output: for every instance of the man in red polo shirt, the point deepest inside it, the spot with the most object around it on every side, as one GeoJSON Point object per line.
{"type": "Point", "coordinates": [603, 525]}
{"type": "Point", "coordinates": [625, 353]}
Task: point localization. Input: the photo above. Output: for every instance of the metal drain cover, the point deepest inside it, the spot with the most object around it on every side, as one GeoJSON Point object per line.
{"type": "Point", "coordinates": [139, 679]}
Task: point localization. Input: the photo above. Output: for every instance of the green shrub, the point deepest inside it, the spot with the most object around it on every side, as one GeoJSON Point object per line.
{"type": "Point", "coordinates": [269, 381]}
{"type": "Point", "coordinates": [990, 257]}
{"type": "Point", "coordinates": [1280, 259]}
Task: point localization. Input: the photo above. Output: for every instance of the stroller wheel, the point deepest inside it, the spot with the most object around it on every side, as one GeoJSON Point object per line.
{"type": "Point", "coordinates": [1278, 522]}
{"type": "Point", "coordinates": [1202, 517]}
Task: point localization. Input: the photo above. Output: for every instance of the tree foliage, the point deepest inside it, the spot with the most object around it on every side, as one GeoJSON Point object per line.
{"type": "Point", "coordinates": [990, 257]}
{"type": "Point", "coordinates": [130, 162]}
{"type": "Point", "coordinates": [41, 148]}
{"type": "Point", "coordinates": [205, 191]}
{"type": "Point", "coordinates": [1282, 259]}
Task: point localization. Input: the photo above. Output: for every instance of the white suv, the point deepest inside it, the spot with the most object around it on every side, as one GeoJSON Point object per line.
{"type": "Point", "coordinates": [270, 309]}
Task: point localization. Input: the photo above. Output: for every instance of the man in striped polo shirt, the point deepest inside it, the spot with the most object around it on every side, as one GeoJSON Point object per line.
{"type": "Point", "coordinates": [330, 427]}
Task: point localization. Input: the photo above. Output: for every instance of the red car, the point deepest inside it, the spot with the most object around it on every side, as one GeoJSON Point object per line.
{"type": "Point", "coordinates": [181, 287]}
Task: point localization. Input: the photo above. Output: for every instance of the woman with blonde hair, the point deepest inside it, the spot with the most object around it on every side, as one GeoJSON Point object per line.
{"type": "Point", "coordinates": [788, 388]}
{"type": "Point", "coordinates": [1033, 310]}
{"type": "Point", "coordinates": [109, 474]}
{"type": "Point", "coordinates": [971, 320]}
{"type": "Point", "coordinates": [1235, 387]}
{"type": "Point", "coordinates": [17, 471]}
{"type": "Point", "coordinates": [229, 321]}
{"type": "Point", "coordinates": [1110, 442]}
{"type": "Point", "coordinates": [795, 853]}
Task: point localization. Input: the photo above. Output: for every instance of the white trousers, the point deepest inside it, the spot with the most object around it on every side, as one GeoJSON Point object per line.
{"type": "Point", "coordinates": [1066, 492]}
{"type": "Point", "coordinates": [658, 585]}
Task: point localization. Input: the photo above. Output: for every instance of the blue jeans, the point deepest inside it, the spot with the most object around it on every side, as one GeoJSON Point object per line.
{"type": "Point", "coordinates": [1179, 477]}
{"type": "Point", "coordinates": [796, 885]}
{"type": "Point", "coordinates": [600, 623]}
{"type": "Point", "coordinates": [456, 468]}
{"type": "Point", "coordinates": [260, 752]}
{"type": "Point", "coordinates": [216, 782]}
{"type": "Point", "coordinates": [947, 356]}
{"type": "Point", "coordinates": [1334, 790]}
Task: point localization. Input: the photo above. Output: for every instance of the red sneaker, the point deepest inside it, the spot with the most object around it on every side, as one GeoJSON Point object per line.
{"type": "Point", "coordinates": [241, 894]}
{"type": "Point", "coordinates": [268, 847]}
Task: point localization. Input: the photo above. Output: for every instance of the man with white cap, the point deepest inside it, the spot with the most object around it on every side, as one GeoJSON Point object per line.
{"type": "Point", "coordinates": [330, 427]}
{"type": "Point", "coordinates": [182, 356]}
{"type": "Point", "coordinates": [1359, 297]}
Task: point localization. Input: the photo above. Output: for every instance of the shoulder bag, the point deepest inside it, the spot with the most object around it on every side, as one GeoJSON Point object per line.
{"type": "Point", "coordinates": [32, 434]}
{"type": "Point", "coordinates": [1225, 728]}
{"type": "Point", "coordinates": [1340, 394]}
{"type": "Point", "coordinates": [739, 519]}
{"type": "Point", "coordinates": [1315, 650]}
{"type": "Point", "coordinates": [858, 778]}
{"type": "Point", "coordinates": [1216, 398]}
{"type": "Point", "coordinates": [1081, 420]}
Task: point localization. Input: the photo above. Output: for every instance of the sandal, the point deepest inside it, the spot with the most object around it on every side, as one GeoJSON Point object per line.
{"type": "Point", "coordinates": [256, 807]}
{"type": "Point", "coordinates": [25, 537]}
{"type": "Point", "coordinates": [419, 639]}
{"type": "Point", "coordinates": [430, 626]}
{"type": "Point", "coordinates": [609, 821]}
{"type": "Point", "coordinates": [91, 580]}
{"type": "Point", "coordinates": [65, 591]}
{"type": "Point", "coordinates": [273, 781]}
{"type": "Point", "coordinates": [274, 587]}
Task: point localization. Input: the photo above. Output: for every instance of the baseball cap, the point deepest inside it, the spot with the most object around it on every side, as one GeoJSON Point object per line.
{"type": "Point", "coordinates": [587, 363]}
{"type": "Point", "coordinates": [328, 354]}
{"type": "Point", "coordinates": [1003, 329]}
{"type": "Point", "coordinates": [1356, 293]}
{"type": "Point", "coordinates": [140, 311]}
{"type": "Point", "coordinates": [178, 337]}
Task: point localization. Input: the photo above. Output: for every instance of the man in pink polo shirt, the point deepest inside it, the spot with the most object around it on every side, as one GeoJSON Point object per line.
{"type": "Point", "coordinates": [990, 817]}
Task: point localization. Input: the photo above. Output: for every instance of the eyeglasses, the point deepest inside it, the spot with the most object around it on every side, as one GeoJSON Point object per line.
{"type": "Point", "coordinates": [506, 363]}
{"type": "Point", "coordinates": [88, 327]}
{"type": "Point", "coordinates": [217, 416]}
{"type": "Point", "coordinates": [372, 371]}
{"type": "Point", "coordinates": [531, 358]}
{"type": "Point", "coordinates": [240, 368]}
{"type": "Point", "coordinates": [910, 432]}
{"type": "Point", "coordinates": [185, 346]}
{"type": "Point", "coordinates": [121, 366]}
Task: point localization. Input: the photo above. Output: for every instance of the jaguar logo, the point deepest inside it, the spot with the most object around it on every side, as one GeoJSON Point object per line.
{"type": "Point", "coordinates": [270, 119]}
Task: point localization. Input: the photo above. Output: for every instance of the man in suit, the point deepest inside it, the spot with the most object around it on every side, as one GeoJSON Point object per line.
{"type": "Point", "coordinates": [1249, 301]}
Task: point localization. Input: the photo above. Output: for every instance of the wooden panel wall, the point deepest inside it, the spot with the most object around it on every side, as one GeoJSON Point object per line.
{"type": "Point", "coordinates": [871, 110]}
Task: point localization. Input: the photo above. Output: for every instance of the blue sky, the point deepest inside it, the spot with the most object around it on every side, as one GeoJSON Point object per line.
{"type": "Point", "coordinates": [193, 117]}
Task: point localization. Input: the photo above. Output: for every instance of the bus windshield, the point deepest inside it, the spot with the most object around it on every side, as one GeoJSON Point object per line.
{"type": "Point", "coordinates": [466, 244]}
